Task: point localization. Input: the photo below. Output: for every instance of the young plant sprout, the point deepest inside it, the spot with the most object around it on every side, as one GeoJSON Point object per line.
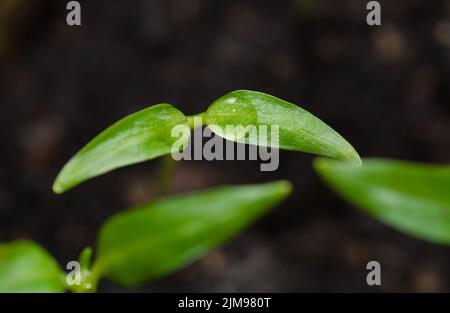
{"type": "Point", "coordinates": [161, 237]}
{"type": "Point", "coordinates": [148, 134]}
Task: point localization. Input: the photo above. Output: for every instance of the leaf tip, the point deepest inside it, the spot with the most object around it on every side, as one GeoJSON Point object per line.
{"type": "Point", "coordinates": [285, 186]}
{"type": "Point", "coordinates": [319, 164]}
{"type": "Point", "coordinates": [348, 154]}
{"type": "Point", "coordinates": [281, 188]}
{"type": "Point", "coordinates": [57, 187]}
{"type": "Point", "coordinates": [355, 158]}
{"type": "Point", "coordinates": [322, 165]}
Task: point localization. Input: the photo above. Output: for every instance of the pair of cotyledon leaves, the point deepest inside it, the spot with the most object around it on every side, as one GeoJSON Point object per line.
{"type": "Point", "coordinates": [159, 238]}
{"type": "Point", "coordinates": [147, 134]}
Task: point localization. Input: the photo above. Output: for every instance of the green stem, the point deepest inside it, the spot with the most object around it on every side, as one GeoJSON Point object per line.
{"type": "Point", "coordinates": [165, 173]}
{"type": "Point", "coordinates": [168, 164]}
{"type": "Point", "coordinates": [192, 117]}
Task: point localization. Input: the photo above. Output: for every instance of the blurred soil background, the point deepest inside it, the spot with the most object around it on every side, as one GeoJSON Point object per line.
{"type": "Point", "coordinates": [384, 88]}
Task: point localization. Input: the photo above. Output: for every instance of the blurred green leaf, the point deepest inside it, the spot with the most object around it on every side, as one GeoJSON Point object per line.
{"type": "Point", "coordinates": [299, 130]}
{"type": "Point", "coordinates": [412, 197]}
{"type": "Point", "coordinates": [85, 258]}
{"type": "Point", "coordinates": [26, 267]}
{"type": "Point", "coordinates": [138, 137]}
{"type": "Point", "coordinates": [159, 238]}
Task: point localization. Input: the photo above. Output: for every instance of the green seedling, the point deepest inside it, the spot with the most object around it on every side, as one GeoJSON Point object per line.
{"type": "Point", "coordinates": [156, 239]}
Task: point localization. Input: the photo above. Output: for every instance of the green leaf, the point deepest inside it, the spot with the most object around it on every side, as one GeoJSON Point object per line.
{"type": "Point", "coordinates": [299, 130]}
{"type": "Point", "coordinates": [415, 198]}
{"type": "Point", "coordinates": [159, 238]}
{"type": "Point", "coordinates": [26, 267]}
{"type": "Point", "coordinates": [136, 138]}
{"type": "Point", "coordinates": [85, 258]}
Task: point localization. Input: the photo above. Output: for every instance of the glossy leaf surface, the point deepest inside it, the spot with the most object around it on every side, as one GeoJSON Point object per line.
{"type": "Point", "coordinates": [136, 138]}
{"type": "Point", "coordinates": [299, 130]}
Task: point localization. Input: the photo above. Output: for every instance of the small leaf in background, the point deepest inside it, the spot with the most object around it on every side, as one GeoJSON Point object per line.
{"type": "Point", "coordinates": [154, 240]}
{"type": "Point", "coordinates": [299, 130]}
{"type": "Point", "coordinates": [26, 267]}
{"type": "Point", "coordinates": [85, 258]}
{"type": "Point", "coordinates": [136, 138]}
{"type": "Point", "coordinates": [412, 197]}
